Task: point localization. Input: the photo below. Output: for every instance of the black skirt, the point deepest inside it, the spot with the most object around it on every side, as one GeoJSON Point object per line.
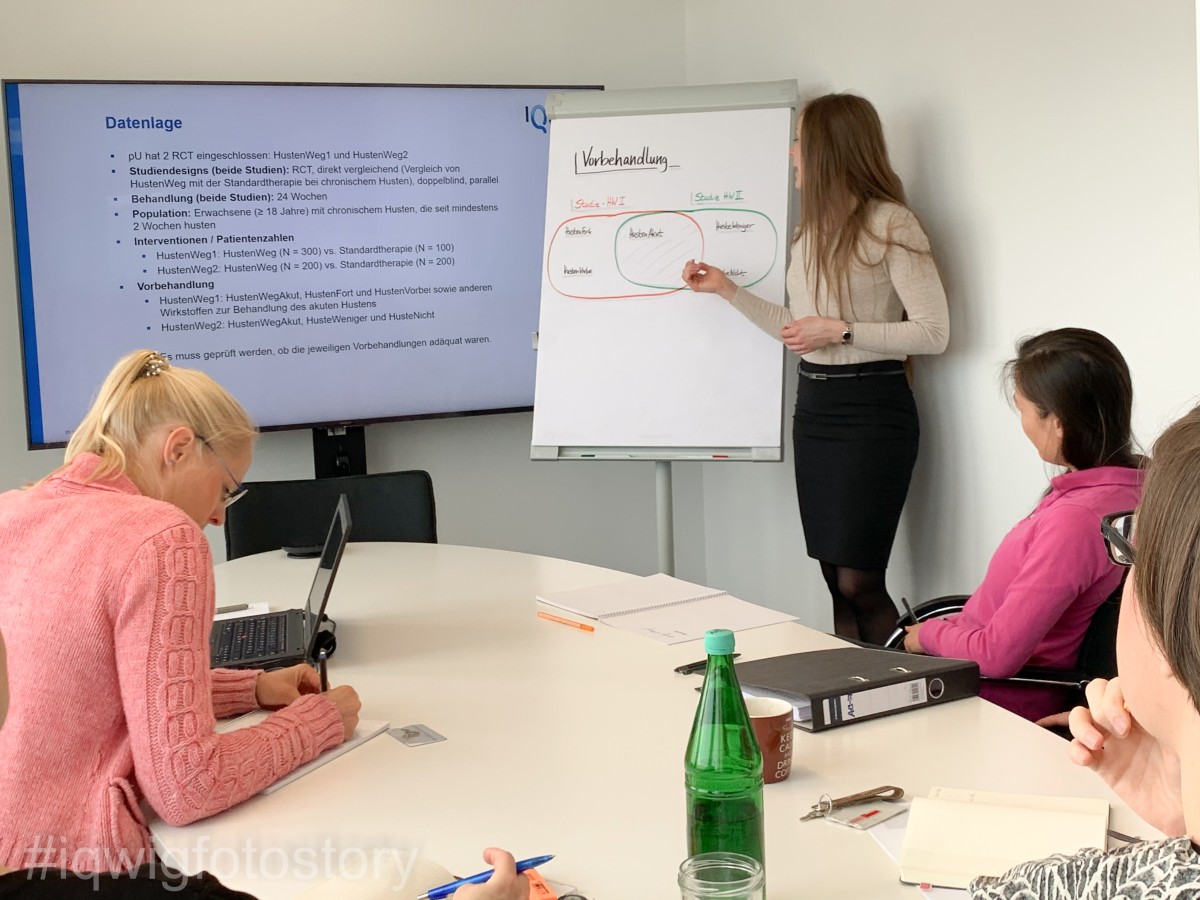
{"type": "Point", "coordinates": [855, 443]}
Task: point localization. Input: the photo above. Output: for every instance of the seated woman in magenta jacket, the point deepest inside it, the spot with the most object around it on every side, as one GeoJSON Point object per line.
{"type": "Point", "coordinates": [1050, 573]}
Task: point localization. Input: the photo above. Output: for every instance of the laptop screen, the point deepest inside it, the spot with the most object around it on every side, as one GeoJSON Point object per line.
{"type": "Point", "coordinates": [331, 557]}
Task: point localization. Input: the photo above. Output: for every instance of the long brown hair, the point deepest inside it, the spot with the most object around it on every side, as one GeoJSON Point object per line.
{"type": "Point", "coordinates": [1167, 569]}
{"type": "Point", "coordinates": [844, 167]}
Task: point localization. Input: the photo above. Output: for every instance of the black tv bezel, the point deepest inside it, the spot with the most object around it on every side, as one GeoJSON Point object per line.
{"type": "Point", "coordinates": [298, 426]}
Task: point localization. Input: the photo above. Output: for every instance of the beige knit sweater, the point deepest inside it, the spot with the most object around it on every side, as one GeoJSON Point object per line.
{"type": "Point", "coordinates": [896, 302]}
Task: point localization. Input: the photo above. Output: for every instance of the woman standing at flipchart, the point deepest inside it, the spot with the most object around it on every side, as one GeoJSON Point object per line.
{"type": "Point", "coordinates": [863, 295]}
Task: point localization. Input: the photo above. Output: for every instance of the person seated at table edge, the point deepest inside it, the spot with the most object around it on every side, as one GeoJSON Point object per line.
{"type": "Point", "coordinates": [107, 600]}
{"type": "Point", "coordinates": [1045, 581]}
{"type": "Point", "coordinates": [1140, 732]}
{"type": "Point", "coordinates": [154, 881]}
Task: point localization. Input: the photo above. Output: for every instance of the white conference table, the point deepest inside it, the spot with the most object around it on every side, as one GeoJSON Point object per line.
{"type": "Point", "coordinates": [567, 742]}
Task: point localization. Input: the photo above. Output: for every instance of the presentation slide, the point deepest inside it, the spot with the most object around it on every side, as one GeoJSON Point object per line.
{"type": "Point", "coordinates": [328, 253]}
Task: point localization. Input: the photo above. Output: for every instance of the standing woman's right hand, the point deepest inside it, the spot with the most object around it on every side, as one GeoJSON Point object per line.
{"type": "Point", "coordinates": [706, 279]}
{"type": "Point", "coordinates": [1111, 742]}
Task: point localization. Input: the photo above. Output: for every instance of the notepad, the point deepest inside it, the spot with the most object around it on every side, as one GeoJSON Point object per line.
{"type": "Point", "coordinates": [955, 835]}
{"type": "Point", "coordinates": [367, 729]}
{"type": "Point", "coordinates": [664, 608]}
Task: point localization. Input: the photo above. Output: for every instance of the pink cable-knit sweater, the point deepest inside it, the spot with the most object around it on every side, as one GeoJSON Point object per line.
{"type": "Point", "coordinates": [106, 602]}
{"type": "Point", "coordinates": [1042, 586]}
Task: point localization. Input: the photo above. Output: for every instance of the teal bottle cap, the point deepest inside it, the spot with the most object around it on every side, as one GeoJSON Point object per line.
{"type": "Point", "coordinates": [718, 642]}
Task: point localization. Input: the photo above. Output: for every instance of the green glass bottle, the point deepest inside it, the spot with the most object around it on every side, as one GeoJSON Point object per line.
{"type": "Point", "coordinates": [723, 766]}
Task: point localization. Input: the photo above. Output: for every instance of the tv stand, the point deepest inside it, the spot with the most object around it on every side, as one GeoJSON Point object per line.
{"type": "Point", "coordinates": [339, 451]}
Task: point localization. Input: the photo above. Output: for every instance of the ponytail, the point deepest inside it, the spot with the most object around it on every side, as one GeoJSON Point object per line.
{"type": "Point", "coordinates": [144, 391]}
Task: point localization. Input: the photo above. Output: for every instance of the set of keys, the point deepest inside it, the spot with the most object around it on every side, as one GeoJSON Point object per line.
{"type": "Point", "coordinates": [825, 805]}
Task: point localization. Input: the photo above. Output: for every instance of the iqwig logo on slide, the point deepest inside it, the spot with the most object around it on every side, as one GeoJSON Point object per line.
{"type": "Point", "coordinates": [536, 116]}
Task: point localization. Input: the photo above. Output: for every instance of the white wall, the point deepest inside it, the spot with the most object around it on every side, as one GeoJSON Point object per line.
{"type": "Point", "coordinates": [1051, 150]}
{"type": "Point", "coordinates": [488, 491]}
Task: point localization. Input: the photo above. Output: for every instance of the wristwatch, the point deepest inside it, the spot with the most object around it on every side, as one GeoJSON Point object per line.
{"type": "Point", "coordinates": [847, 333]}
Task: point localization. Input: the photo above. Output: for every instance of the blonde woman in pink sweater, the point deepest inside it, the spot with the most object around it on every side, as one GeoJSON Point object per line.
{"type": "Point", "coordinates": [106, 603]}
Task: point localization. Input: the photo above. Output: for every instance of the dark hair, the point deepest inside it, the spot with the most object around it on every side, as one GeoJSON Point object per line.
{"type": "Point", "coordinates": [1081, 377]}
{"type": "Point", "coordinates": [1167, 577]}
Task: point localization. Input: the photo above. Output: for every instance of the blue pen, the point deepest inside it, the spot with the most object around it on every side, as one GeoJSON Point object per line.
{"type": "Point", "coordinates": [446, 890]}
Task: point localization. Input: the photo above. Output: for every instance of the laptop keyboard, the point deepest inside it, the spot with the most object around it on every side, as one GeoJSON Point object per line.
{"type": "Point", "coordinates": [249, 638]}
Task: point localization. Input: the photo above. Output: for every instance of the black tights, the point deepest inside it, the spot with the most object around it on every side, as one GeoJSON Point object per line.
{"type": "Point", "coordinates": [862, 608]}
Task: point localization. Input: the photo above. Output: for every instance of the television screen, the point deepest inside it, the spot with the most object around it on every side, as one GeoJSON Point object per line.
{"type": "Point", "coordinates": [332, 254]}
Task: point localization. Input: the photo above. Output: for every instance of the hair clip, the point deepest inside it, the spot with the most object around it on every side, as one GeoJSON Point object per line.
{"type": "Point", "coordinates": [155, 365]}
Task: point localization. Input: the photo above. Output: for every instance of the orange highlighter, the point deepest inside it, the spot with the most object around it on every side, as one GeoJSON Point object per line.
{"type": "Point", "coordinates": [580, 625]}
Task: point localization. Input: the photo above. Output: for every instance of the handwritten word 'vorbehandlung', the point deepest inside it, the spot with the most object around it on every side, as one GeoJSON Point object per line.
{"type": "Point", "coordinates": [593, 160]}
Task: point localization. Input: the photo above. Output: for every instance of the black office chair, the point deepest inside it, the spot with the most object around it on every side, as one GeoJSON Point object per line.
{"type": "Point", "coordinates": [1097, 654]}
{"type": "Point", "coordinates": [388, 506]}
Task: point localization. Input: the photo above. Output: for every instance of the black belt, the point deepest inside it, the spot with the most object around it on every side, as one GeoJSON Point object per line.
{"type": "Point", "coordinates": [815, 372]}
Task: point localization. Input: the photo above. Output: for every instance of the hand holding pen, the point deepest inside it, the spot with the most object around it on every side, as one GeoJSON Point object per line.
{"type": "Point", "coordinates": [502, 883]}
{"type": "Point", "coordinates": [323, 668]}
{"type": "Point", "coordinates": [345, 700]}
{"type": "Point", "coordinates": [279, 687]}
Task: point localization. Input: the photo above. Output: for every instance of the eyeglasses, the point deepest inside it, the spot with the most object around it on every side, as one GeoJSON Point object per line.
{"type": "Point", "coordinates": [239, 489]}
{"type": "Point", "coordinates": [1117, 529]}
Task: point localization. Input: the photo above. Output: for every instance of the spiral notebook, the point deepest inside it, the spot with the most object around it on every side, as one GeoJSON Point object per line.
{"type": "Point", "coordinates": [663, 608]}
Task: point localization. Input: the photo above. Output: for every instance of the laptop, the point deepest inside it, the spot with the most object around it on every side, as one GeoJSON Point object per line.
{"type": "Point", "coordinates": [276, 639]}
